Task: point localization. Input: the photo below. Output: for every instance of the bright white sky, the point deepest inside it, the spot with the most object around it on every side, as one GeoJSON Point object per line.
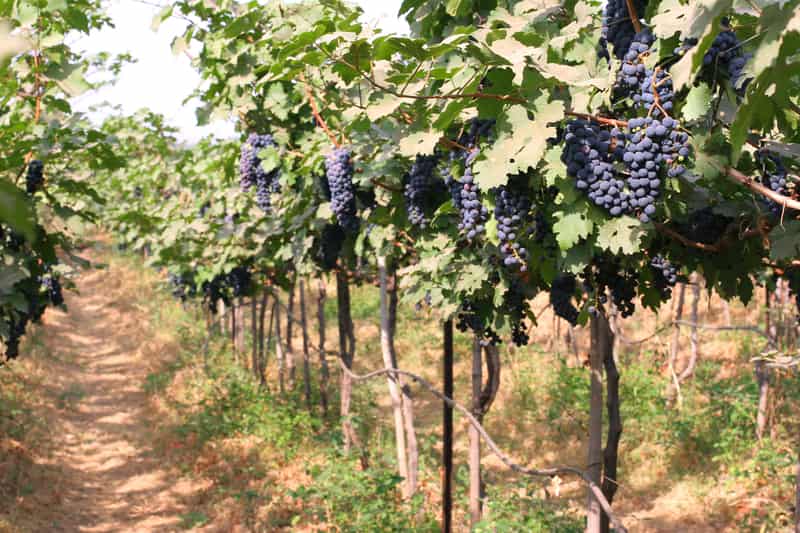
{"type": "Point", "coordinates": [160, 80]}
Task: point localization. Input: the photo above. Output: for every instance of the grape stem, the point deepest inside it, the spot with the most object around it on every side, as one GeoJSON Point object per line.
{"type": "Point", "coordinates": [599, 120]}
{"type": "Point", "coordinates": [753, 185]}
{"type": "Point", "coordinates": [634, 16]}
{"type": "Point", "coordinates": [401, 94]}
{"type": "Point", "coordinates": [716, 247]}
{"type": "Point", "coordinates": [315, 111]}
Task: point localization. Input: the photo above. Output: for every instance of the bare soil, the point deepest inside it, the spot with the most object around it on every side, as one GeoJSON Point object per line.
{"type": "Point", "coordinates": [95, 470]}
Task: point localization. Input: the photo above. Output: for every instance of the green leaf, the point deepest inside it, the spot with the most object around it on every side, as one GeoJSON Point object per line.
{"type": "Point", "coordinates": [571, 228]}
{"type": "Point", "coordinates": [385, 105]}
{"type": "Point", "coordinates": [621, 235]}
{"type": "Point", "coordinates": [419, 143]}
{"type": "Point", "coordinates": [16, 210]}
{"type": "Point", "coordinates": [697, 102]}
{"type": "Point", "coordinates": [785, 241]}
{"type": "Point", "coordinates": [521, 144]}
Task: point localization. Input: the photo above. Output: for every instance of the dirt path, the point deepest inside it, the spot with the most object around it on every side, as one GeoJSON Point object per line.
{"type": "Point", "coordinates": [103, 472]}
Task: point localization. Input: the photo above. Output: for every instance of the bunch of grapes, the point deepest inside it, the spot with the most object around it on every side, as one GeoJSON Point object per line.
{"type": "Point", "coordinates": [138, 192]}
{"type": "Point", "coordinates": [470, 320]}
{"type": "Point", "coordinates": [651, 146]}
{"type": "Point", "coordinates": [665, 275]}
{"type": "Point", "coordinates": [215, 291]}
{"type": "Point", "coordinates": [239, 279]}
{"type": "Point", "coordinates": [512, 212]}
{"type": "Point", "coordinates": [561, 292]}
{"type": "Point", "coordinates": [328, 246]}
{"type": "Point", "coordinates": [656, 93]}
{"type": "Point", "coordinates": [632, 73]}
{"type": "Point", "coordinates": [52, 286]}
{"type": "Point", "coordinates": [16, 328]}
{"type": "Point", "coordinates": [774, 176]}
{"type": "Point", "coordinates": [618, 28]}
{"type": "Point", "coordinates": [589, 154]}
{"type": "Point", "coordinates": [34, 178]}
{"type": "Point", "coordinates": [620, 282]}
{"type": "Point", "coordinates": [251, 173]}
{"type": "Point", "coordinates": [705, 226]}
{"type": "Point", "coordinates": [726, 52]}
{"type": "Point", "coordinates": [421, 189]}
{"type": "Point", "coordinates": [183, 286]}
{"type": "Point", "coordinates": [515, 305]}
{"type": "Point", "coordinates": [466, 193]}
{"type": "Point", "coordinates": [339, 171]}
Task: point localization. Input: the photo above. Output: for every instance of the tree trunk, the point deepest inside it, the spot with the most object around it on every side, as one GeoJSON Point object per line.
{"type": "Point", "coordinates": [279, 353]}
{"type": "Point", "coordinates": [447, 432]}
{"type": "Point", "coordinates": [388, 352]}
{"type": "Point", "coordinates": [475, 510]}
{"type": "Point", "coordinates": [595, 456]}
{"type": "Point", "coordinates": [762, 416]}
{"type": "Point", "coordinates": [223, 326]}
{"type": "Point", "coordinates": [262, 356]}
{"type": "Point", "coordinates": [797, 497]}
{"type": "Point", "coordinates": [306, 356]}
{"type": "Point", "coordinates": [693, 339]}
{"type": "Point", "coordinates": [290, 366]}
{"type": "Point", "coordinates": [254, 335]}
{"type": "Point", "coordinates": [240, 334]}
{"type": "Point", "coordinates": [674, 386]}
{"type": "Point", "coordinates": [611, 451]}
{"type": "Point", "coordinates": [412, 448]}
{"type": "Point", "coordinates": [233, 331]}
{"type": "Point", "coordinates": [323, 361]}
{"type": "Point", "coordinates": [347, 350]}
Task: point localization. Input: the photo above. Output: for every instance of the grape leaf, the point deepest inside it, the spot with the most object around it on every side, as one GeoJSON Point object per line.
{"type": "Point", "coordinates": [623, 234]}
{"type": "Point", "coordinates": [785, 241]}
{"type": "Point", "coordinates": [521, 144]}
{"type": "Point", "coordinates": [697, 102]}
{"type": "Point", "coordinates": [571, 228]}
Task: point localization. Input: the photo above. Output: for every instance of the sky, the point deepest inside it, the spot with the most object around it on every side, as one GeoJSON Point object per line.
{"type": "Point", "coordinates": [161, 81]}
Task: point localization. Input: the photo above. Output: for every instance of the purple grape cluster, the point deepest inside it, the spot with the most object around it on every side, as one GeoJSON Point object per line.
{"type": "Point", "coordinates": [632, 72]}
{"type": "Point", "coordinates": [617, 27]}
{"type": "Point", "coordinates": [16, 329]}
{"type": "Point", "coordinates": [705, 226]}
{"type": "Point", "coordinates": [183, 286]}
{"type": "Point", "coordinates": [665, 275]}
{"type": "Point", "coordinates": [620, 282]}
{"type": "Point", "coordinates": [774, 176]}
{"type": "Point", "coordinates": [466, 193]}
{"type": "Point", "coordinates": [652, 145]}
{"type": "Point", "coordinates": [656, 93]}
{"type": "Point", "coordinates": [470, 320]}
{"type": "Point", "coordinates": [239, 279]}
{"type": "Point", "coordinates": [52, 286]}
{"type": "Point", "coordinates": [590, 153]}
{"type": "Point", "coordinates": [726, 52]}
{"type": "Point", "coordinates": [339, 171]}
{"type": "Point", "coordinates": [421, 189]}
{"type": "Point", "coordinates": [34, 178]}
{"type": "Point", "coordinates": [561, 292]}
{"type": "Point", "coordinates": [251, 173]}
{"type": "Point", "coordinates": [328, 246]}
{"type": "Point", "coordinates": [512, 212]}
